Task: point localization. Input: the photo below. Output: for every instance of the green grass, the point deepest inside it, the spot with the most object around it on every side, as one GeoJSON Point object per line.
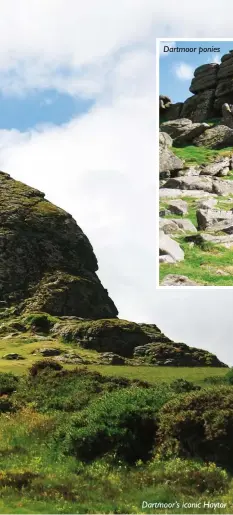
{"type": "Point", "coordinates": [201, 265]}
{"type": "Point", "coordinates": [160, 374]}
{"type": "Point", "coordinates": [199, 155]}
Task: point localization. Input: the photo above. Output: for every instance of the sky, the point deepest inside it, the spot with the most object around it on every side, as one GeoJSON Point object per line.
{"type": "Point", "coordinates": [77, 114]}
{"type": "Point", "coordinates": [176, 69]}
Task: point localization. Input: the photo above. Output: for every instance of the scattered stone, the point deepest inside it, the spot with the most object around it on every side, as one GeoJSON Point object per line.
{"type": "Point", "coordinates": [170, 247]}
{"type": "Point", "coordinates": [207, 204]}
{"type": "Point", "coordinates": [220, 167]}
{"type": "Point", "coordinates": [208, 217]}
{"type": "Point", "coordinates": [12, 356]}
{"type": "Point", "coordinates": [177, 280]}
{"type": "Point", "coordinates": [50, 351]}
{"type": "Point", "coordinates": [178, 207]}
{"type": "Point", "coordinates": [191, 183]}
{"type": "Point", "coordinates": [165, 140]}
{"type": "Point", "coordinates": [109, 358]}
{"type": "Point", "coordinates": [173, 193]}
{"type": "Point", "coordinates": [166, 259]}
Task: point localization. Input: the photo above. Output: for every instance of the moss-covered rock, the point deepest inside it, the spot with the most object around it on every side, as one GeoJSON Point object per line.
{"type": "Point", "coordinates": [176, 355]}
{"type": "Point", "coordinates": [46, 261]}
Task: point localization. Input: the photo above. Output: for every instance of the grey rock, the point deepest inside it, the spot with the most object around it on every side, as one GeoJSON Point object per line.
{"type": "Point", "coordinates": [176, 127]}
{"type": "Point", "coordinates": [170, 247]}
{"type": "Point", "coordinates": [207, 204]}
{"type": "Point", "coordinates": [208, 217]}
{"type": "Point", "coordinates": [165, 140]}
{"type": "Point", "coordinates": [12, 356]}
{"type": "Point", "coordinates": [172, 111]}
{"type": "Point", "coordinates": [109, 358]}
{"type": "Point", "coordinates": [168, 226]}
{"type": "Point", "coordinates": [177, 280]}
{"type": "Point", "coordinates": [217, 137]}
{"type": "Point", "coordinates": [166, 259]}
{"type": "Point", "coordinates": [191, 133]}
{"type": "Point", "coordinates": [190, 183]}
{"type": "Point", "coordinates": [174, 193]}
{"type": "Point", "coordinates": [200, 107]}
{"type": "Point", "coordinates": [50, 351]}
{"type": "Point", "coordinates": [219, 167]}
{"type": "Point", "coordinates": [227, 115]}
{"type": "Point", "coordinates": [168, 161]}
{"type": "Point", "coordinates": [184, 224]}
{"type": "Point", "coordinates": [178, 207]}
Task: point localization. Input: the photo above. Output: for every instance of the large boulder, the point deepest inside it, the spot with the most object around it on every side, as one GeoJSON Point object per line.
{"type": "Point", "coordinates": [46, 261]}
{"type": "Point", "coordinates": [208, 217]}
{"type": "Point", "coordinates": [205, 77]}
{"type": "Point", "coordinates": [217, 137]}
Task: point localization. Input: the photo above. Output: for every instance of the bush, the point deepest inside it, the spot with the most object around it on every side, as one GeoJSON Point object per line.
{"type": "Point", "coordinates": [44, 365]}
{"type": "Point", "coordinates": [5, 405]}
{"type": "Point", "coordinates": [122, 423]}
{"type": "Point", "coordinates": [229, 376]}
{"type": "Point", "coordinates": [40, 322]}
{"type": "Point", "coordinates": [189, 475]}
{"type": "Point", "coordinates": [199, 424]}
{"type": "Point", "coordinates": [181, 386]}
{"type": "Point", "coordinates": [8, 383]}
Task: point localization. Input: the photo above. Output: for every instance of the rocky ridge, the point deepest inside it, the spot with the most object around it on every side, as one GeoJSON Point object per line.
{"type": "Point", "coordinates": [212, 86]}
{"type": "Point", "coordinates": [53, 305]}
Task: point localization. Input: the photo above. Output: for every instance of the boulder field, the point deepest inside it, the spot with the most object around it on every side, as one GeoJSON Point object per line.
{"type": "Point", "coordinates": [196, 181]}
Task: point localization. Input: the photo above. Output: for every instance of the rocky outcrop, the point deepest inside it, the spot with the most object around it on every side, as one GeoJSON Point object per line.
{"type": "Point", "coordinates": [212, 87]}
{"type": "Point", "coordinates": [46, 261]}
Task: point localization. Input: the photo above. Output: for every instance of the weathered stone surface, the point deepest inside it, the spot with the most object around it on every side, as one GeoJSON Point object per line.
{"type": "Point", "coordinates": [168, 162]}
{"type": "Point", "coordinates": [200, 107]}
{"type": "Point", "coordinates": [176, 127]}
{"type": "Point", "coordinates": [205, 77]}
{"type": "Point", "coordinates": [173, 193]}
{"type": "Point", "coordinates": [219, 167]}
{"type": "Point", "coordinates": [166, 259]}
{"type": "Point", "coordinates": [177, 280]}
{"type": "Point", "coordinates": [217, 137]}
{"type": "Point", "coordinates": [178, 354]}
{"type": "Point", "coordinates": [109, 358]}
{"type": "Point", "coordinates": [191, 133]}
{"type": "Point", "coordinates": [12, 356]}
{"type": "Point", "coordinates": [226, 69]}
{"type": "Point", "coordinates": [165, 140]}
{"type": "Point", "coordinates": [172, 111]}
{"type": "Point", "coordinates": [207, 204]}
{"type": "Point", "coordinates": [227, 114]}
{"type": "Point", "coordinates": [178, 207]}
{"type": "Point", "coordinates": [191, 183]}
{"type": "Point", "coordinates": [49, 351]}
{"type": "Point", "coordinates": [170, 247]}
{"type": "Point", "coordinates": [168, 226]}
{"type": "Point", "coordinates": [46, 261]}
{"type": "Point", "coordinates": [208, 217]}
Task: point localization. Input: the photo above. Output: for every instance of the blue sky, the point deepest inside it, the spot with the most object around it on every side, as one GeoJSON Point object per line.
{"type": "Point", "coordinates": [36, 108]}
{"type": "Point", "coordinates": [176, 68]}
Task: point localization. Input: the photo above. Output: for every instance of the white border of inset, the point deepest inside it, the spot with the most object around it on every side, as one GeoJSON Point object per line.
{"type": "Point", "coordinates": [158, 287]}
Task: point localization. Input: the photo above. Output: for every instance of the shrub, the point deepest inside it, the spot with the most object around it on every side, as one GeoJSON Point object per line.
{"type": "Point", "coordinates": [229, 376]}
{"type": "Point", "coordinates": [199, 424]}
{"type": "Point", "coordinates": [194, 476]}
{"type": "Point", "coordinates": [5, 405]}
{"type": "Point", "coordinates": [181, 386]}
{"type": "Point", "coordinates": [40, 322]}
{"type": "Point", "coordinates": [122, 423]}
{"type": "Point", "coordinates": [8, 383]}
{"type": "Point", "coordinates": [44, 365]}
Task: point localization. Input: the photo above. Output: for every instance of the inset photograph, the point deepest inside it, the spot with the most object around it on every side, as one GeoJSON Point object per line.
{"type": "Point", "coordinates": [195, 140]}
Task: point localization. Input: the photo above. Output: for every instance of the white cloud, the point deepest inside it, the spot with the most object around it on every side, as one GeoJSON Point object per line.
{"type": "Point", "coordinates": [184, 71]}
{"type": "Point", "coordinates": [215, 58]}
{"type": "Point", "coordinates": [100, 167]}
